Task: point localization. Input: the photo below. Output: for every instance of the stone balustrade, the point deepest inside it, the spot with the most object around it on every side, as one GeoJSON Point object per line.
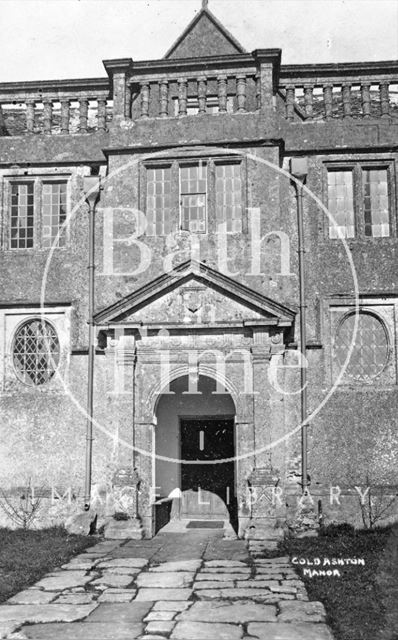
{"type": "Point", "coordinates": [326, 92]}
{"type": "Point", "coordinates": [186, 95]}
{"type": "Point", "coordinates": [56, 107]}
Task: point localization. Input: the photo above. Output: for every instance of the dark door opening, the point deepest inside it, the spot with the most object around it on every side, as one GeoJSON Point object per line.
{"type": "Point", "coordinates": [208, 440]}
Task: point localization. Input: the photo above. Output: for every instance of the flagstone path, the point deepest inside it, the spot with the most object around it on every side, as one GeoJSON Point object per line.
{"type": "Point", "coordinates": [185, 586]}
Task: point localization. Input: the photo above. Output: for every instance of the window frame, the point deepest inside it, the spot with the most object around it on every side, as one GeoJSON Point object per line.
{"type": "Point", "coordinates": [335, 311]}
{"type": "Point", "coordinates": [17, 373]}
{"type": "Point", "coordinates": [357, 168]}
{"type": "Point", "coordinates": [350, 379]}
{"type": "Point", "coordinates": [38, 181]}
{"type": "Point", "coordinates": [174, 163]}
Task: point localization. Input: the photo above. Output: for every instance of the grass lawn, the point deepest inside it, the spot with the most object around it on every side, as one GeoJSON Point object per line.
{"type": "Point", "coordinates": [26, 555]}
{"type": "Point", "coordinates": [361, 604]}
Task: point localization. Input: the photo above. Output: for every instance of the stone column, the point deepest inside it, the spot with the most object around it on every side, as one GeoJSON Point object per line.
{"type": "Point", "coordinates": [145, 464]}
{"type": "Point", "coordinates": [119, 71]}
{"type": "Point", "coordinates": [126, 480]}
{"type": "Point", "coordinates": [268, 63]}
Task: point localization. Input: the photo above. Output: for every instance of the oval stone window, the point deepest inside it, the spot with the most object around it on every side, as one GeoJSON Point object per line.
{"type": "Point", "coordinates": [36, 352]}
{"type": "Point", "coordinates": [371, 348]}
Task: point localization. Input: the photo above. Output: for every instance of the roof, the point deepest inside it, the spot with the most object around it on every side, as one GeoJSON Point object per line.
{"type": "Point", "coordinates": [204, 36]}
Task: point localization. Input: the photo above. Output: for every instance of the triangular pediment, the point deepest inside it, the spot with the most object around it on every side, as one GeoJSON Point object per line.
{"type": "Point", "coordinates": [192, 294]}
{"type": "Point", "coordinates": [204, 36]}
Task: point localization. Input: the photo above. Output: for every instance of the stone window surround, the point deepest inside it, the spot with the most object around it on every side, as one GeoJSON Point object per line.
{"type": "Point", "coordinates": [357, 165]}
{"type": "Point", "coordinates": [210, 160]}
{"type": "Point", "coordinates": [38, 178]}
{"type": "Point", "coordinates": [11, 319]}
{"type": "Point", "coordinates": [384, 309]}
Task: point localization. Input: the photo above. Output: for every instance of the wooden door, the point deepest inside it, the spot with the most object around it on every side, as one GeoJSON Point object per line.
{"type": "Point", "coordinates": [208, 485]}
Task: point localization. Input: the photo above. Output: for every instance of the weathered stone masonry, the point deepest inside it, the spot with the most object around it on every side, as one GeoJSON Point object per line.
{"type": "Point", "coordinates": [221, 106]}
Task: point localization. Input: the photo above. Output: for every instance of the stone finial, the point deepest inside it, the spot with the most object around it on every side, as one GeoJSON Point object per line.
{"type": "Point", "coordinates": [205, 4]}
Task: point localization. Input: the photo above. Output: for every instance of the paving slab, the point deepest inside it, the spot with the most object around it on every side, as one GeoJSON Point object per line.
{"type": "Point", "coordinates": [123, 571]}
{"type": "Point", "coordinates": [162, 594]}
{"type": "Point", "coordinates": [165, 580]}
{"type": "Point", "coordinates": [6, 628]}
{"type": "Point", "coordinates": [32, 596]}
{"type": "Point", "coordinates": [117, 596]}
{"type": "Point", "coordinates": [160, 615]}
{"type": "Point", "coordinates": [257, 584]}
{"type": "Point", "coordinates": [84, 631]}
{"type": "Point", "coordinates": [169, 605]}
{"type": "Point", "coordinates": [64, 580]}
{"type": "Point", "coordinates": [35, 613]}
{"type": "Point", "coordinates": [139, 563]}
{"type": "Point", "coordinates": [210, 584]}
{"type": "Point", "coordinates": [126, 612]}
{"type": "Point", "coordinates": [236, 612]}
{"type": "Point", "coordinates": [186, 565]}
{"type": "Point", "coordinates": [231, 569]}
{"type": "Point", "coordinates": [225, 563]}
{"type": "Point", "coordinates": [113, 580]}
{"type": "Point", "coordinates": [206, 631]}
{"type": "Point", "coordinates": [286, 631]}
{"type": "Point", "coordinates": [220, 576]}
{"type": "Point", "coordinates": [75, 598]}
{"type": "Point", "coordinates": [159, 626]}
{"type": "Point", "coordinates": [299, 611]}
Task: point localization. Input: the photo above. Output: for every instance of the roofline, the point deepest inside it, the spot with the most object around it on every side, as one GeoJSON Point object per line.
{"type": "Point", "coordinates": [195, 19]}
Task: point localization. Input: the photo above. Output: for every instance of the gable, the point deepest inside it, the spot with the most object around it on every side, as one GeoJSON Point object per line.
{"type": "Point", "coordinates": [195, 294]}
{"type": "Point", "coordinates": [204, 36]}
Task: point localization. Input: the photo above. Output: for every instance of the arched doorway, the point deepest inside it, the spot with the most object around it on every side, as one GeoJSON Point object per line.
{"type": "Point", "coordinates": [195, 432]}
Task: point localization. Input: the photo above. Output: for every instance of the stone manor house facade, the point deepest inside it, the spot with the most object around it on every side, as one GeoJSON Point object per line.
{"type": "Point", "coordinates": [197, 285]}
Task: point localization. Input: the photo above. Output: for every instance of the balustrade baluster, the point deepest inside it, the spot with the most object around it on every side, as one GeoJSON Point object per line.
{"type": "Point", "coordinates": [65, 116]}
{"type": "Point", "coordinates": [47, 115]}
{"type": "Point", "coordinates": [222, 93]}
{"type": "Point", "coordinates": [241, 93]}
{"type": "Point", "coordinates": [346, 97]}
{"type": "Point", "coordinates": [384, 89]}
{"type": "Point", "coordinates": [30, 116]}
{"type": "Point", "coordinates": [163, 98]}
{"type": "Point", "coordinates": [365, 95]}
{"type": "Point", "coordinates": [258, 91]}
{"type": "Point", "coordinates": [290, 99]}
{"type": "Point", "coordinates": [182, 97]}
{"type": "Point", "coordinates": [328, 100]}
{"type": "Point", "coordinates": [101, 114]}
{"type": "Point", "coordinates": [83, 115]}
{"type": "Point", "coordinates": [308, 100]}
{"type": "Point", "coordinates": [144, 100]}
{"type": "Point", "coordinates": [202, 94]}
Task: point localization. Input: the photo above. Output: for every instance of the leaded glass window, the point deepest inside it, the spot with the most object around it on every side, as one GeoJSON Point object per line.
{"type": "Point", "coordinates": [376, 203]}
{"type": "Point", "coordinates": [370, 350]}
{"type": "Point", "coordinates": [229, 196]}
{"type": "Point", "coordinates": [193, 194]}
{"type": "Point", "coordinates": [22, 216]}
{"type": "Point", "coordinates": [54, 214]}
{"type": "Point", "coordinates": [341, 204]}
{"type": "Point", "coordinates": [35, 352]}
{"type": "Point", "coordinates": [158, 201]}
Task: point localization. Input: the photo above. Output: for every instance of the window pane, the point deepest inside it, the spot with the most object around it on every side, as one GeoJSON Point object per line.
{"type": "Point", "coordinates": [376, 203]}
{"type": "Point", "coordinates": [193, 193]}
{"type": "Point", "coordinates": [158, 203]}
{"type": "Point", "coordinates": [370, 350]}
{"type": "Point", "coordinates": [341, 204]}
{"type": "Point", "coordinates": [36, 352]}
{"type": "Point", "coordinates": [22, 216]}
{"type": "Point", "coordinates": [53, 214]}
{"type": "Point", "coordinates": [229, 196]}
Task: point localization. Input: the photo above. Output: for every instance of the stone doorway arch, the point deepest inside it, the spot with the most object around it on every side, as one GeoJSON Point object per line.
{"type": "Point", "coordinates": [195, 446]}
